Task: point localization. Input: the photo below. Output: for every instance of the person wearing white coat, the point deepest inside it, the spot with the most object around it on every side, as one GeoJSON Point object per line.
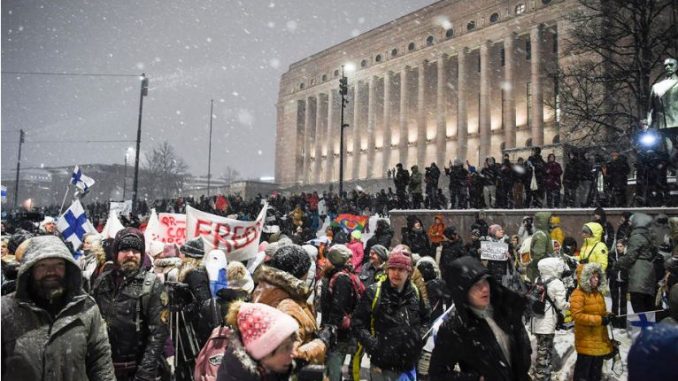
{"type": "Point", "coordinates": [544, 326]}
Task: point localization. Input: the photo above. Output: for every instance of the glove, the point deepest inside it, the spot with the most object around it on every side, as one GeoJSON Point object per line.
{"type": "Point", "coordinates": [607, 319]}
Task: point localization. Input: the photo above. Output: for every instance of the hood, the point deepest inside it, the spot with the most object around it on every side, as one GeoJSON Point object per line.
{"type": "Point", "coordinates": [428, 268]}
{"type": "Point", "coordinates": [555, 220]}
{"type": "Point", "coordinates": [461, 275]}
{"type": "Point", "coordinates": [551, 268]}
{"type": "Point", "coordinates": [597, 231]}
{"type": "Point", "coordinates": [640, 220]}
{"type": "Point", "coordinates": [541, 221]}
{"type": "Point", "coordinates": [45, 247]}
{"type": "Point", "coordinates": [586, 271]}
{"type": "Point", "coordinates": [295, 287]}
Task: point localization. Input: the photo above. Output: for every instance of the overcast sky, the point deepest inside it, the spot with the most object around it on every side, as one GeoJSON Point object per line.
{"type": "Point", "coordinates": [231, 51]}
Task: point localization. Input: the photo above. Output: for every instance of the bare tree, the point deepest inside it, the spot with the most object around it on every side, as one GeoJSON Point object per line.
{"type": "Point", "coordinates": [230, 175]}
{"type": "Point", "coordinates": [165, 172]}
{"type": "Point", "coordinates": [615, 50]}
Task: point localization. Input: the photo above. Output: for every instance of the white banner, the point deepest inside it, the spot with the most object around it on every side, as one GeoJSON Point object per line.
{"type": "Point", "coordinates": [238, 239]}
{"type": "Point", "coordinates": [493, 251]}
{"type": "Point", "coordinates": [120, 208]}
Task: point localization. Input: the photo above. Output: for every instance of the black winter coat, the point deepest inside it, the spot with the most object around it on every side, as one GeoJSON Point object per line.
{"type": "Point", "coordinates": [400, 321]}
{"type": "Point", "coordinates": [382, 236]}
{"type": "Point", "coordinates": [334, 305]}
{"type": "Point", "coordinates": [451, 251]}
{"type": "Point", "coordinates": [417, 241]}
{"type": "Point", "coordinates": [466, 340]}
{"type": "Point", "coordinates": [118, 305]}
{"type": "Point", "coordinates": [458, 177]}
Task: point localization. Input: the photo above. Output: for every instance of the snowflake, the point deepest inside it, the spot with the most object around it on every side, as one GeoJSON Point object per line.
{"type": "Point", "coordinates": [291, 25]}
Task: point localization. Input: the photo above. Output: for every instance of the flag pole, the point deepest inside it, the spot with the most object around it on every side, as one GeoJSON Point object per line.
{"type": "Point", "coordinates": [68, 189]}
{"type": "Point", "coordinates": [638, 313]}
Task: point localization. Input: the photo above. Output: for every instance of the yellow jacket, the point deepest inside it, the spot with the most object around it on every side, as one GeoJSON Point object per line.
{"type": "Point", "coordinates": [594, 250]}
{"type": "Point", "coordinates": [588, 308]}
{"type": "Point", "coordinates": [557, 231]}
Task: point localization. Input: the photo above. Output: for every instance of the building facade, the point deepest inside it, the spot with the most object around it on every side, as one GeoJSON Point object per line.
{"type": "Point", "coordinates": [457, 79]}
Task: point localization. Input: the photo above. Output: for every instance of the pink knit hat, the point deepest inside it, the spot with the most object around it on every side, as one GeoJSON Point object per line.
{"type": "Point", "coordinates": [263, 328]}
{"type": "Point", "coordinates": [399, 260]}
{"type": "Point", "coordinates": [493, 229]}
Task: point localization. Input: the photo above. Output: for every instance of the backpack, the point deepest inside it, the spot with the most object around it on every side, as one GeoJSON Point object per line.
{"type": "Point", "coordinates": [358, 290]}
{"type": "Point", "coordinates": [537, 297]}
{"type": "Point", "coordinates": [209, 359]}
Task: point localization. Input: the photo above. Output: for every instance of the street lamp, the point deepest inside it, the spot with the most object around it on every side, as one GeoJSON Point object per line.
{"type": "Point", "coordinates": [144, 92]}
{"type": "Point", "coordinates": [343, 91]}
{"type": "Point", "coordinates": [209, 154]}
{"type": "Point", "coordinates": [128, 153]}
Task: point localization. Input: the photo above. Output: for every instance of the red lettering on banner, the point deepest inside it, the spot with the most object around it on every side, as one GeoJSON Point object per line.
{"type": "Point", "coordinates": [198, 228]}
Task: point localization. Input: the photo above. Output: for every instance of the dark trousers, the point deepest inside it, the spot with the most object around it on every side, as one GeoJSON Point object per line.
{"type": "Point", "coordinates": [588, 368]}
{"type": "Point", "coordinates": [553, 198]}
{"type": "Point", "coordinates": [642, 302]}
{"type": "Point", "coordinates": [417, 200]}
{"type": "Point", "coordinates": [618, 291]}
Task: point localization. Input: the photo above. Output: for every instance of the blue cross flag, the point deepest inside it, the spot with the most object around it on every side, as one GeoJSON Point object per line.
{"type": "Point", "coordinates": [640, 321]}
{"type": "Point", "coordinates": [73, 224]}
{"type": "Point", "coordinates": [4, 193]}
{"type": "Point", "coordinates": [81, 181]}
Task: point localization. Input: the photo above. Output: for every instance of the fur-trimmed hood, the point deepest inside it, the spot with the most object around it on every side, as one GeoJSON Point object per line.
{"type": "Point", "coordinates": [236, 363]}
{"type": "Point", "coordinates": [294, 287]}
{"type": "Point", "coordinates": [585, 273]}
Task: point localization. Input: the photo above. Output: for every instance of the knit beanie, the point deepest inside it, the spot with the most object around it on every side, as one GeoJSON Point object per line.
{"type": "Point", "coordinates": [381, 252]}
{"type": "Point", "coordinates": [357, 235]}
{"type": "Point", "coordinates": [291, 259]}
{"type": "Point", "coordinates": [493, 229]}
{"type": "Point", "coordinates": [401, 248]}
{"type": "Point", "coordinates": [339, 255]}
{"type": "Point", "coordinates": [129, 239]}
{"type": "Point", "coordinates": [399, 260]}
{"type": "Point", "coordinates": [194, 248]}
{"type": "Point", "coordinates": [262, 327]}
{"type": "Point", "coordinates": [155, 248]}
{"type": "Point", "coordinates": [239, 278]}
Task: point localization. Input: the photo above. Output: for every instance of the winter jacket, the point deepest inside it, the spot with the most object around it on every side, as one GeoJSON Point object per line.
{"type": "Point", "coordinates": [552, 171]}
{"type": "Point", "coordinates": [238, 365]}
{"type": "Point", "coordinates": [401, 180]}
{"type": "Point", "coordinates": [539, 166]}
{"type": "Point", "coordinates": [593, 250]}
{"type": "Point", "coordinates": [72, 346]}
{"type": "Point", "coordinates": [119, 297]}
{"type": "Point", "coordinates": [370, 274]}
{"type": "Point", "coordinates": [338, 303]}
{"type": "Point", "coordinates": [414, 185]}
{"type": "Point", "coordinates": [458, 177]}
{"type": "Point", "coordinates": [571, 174]}
{"type": "Point", "coordinates": [639, 255]}
{"type": "Point", "coordinates": [417, 240]}
{"type": "Point", "coordinates": [287, 293]}
{"type": "Point", "coordinates": [435, 233]}
{"type": "Point", "coordinates": [588, 309]}
{"type": "Point", "coordinates": [557, 232]}
{"type": "Point", "coordinates": [358, 255]}
{"type": "Point", "coordinates": [202, 312]}
{"type": "Point", "coordinates": [615, 274]}
{"type": "Point", "coordinates": [541, 244]}
{"type": "Point", "coordinates": [400, 321]}
{"type": "Point", "coordinates": [452, 250]}
{"type": "Point", "coordinates": [617, 173]}
{"type": "Point", "coordinates": [551, 271]}
{"type": "Point", "coordinates": [466, 340]}
{"type": "Point", "coordinates": [383, 236]}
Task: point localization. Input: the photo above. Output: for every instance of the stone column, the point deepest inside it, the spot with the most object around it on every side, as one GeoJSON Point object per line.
{"type": "Point", "coordinates": [371, 126]}
{"type": "Point", "coordinates": [537, 117]}
{"type": "Point", "coordinates": [387, 121]}
{"type": "Point", "coordinates": [403, 117]}
{"type": "Point", "coordinates": [421, 115]}
{"type": "Point", "coordinates": [355, 129]}
{"type": "Point", "coordinates": [441, 112]}
{"type": "Point", "coordinates": [509, 91]}
{"type": "Point", "coordinates": [332, 133]}
{"type": "Point", "coordinates": [320, 110]}
{"type": "Point", "coordinates": [307, 141]}
{"type": "Point", "coordinates": [484, 126]}
{"type": "Point", "coordinates": [462, 120]}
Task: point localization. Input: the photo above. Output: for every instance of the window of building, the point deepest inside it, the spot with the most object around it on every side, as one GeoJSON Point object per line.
{"type": "Point", "coordinates": [494, 17]}
{"type": "Point", "coordinates": [378, 58]}
{"type": "Point", "coordinates": [556, 139]}
{"type": "Point", "coordinates": [301, 86]}
{"type": "Point", "coordinates": [528, 100]}
{"type": "Point", "coordinates": [363, 63]}
{"type": "Point", "coordinates": [502, 56]}
{"type": "Point", "coordinates": [324, 77]}
{"type": "Point", "coordinates": [411, 46]}
{"type": "Point", "coordinates": [555, 42]}
{"type": "Point", "coordinates": [478, 63]}
{"type": "Point", "coordinates": [394, 52]}
{"type": "Point", "coordinates": [520, 9]}
{"type": "Point", "coordinates": [528, 142]}
{"type": "Point", "coordinates": [471, 25]}
{"type": "Point", "coordinates": [545, 2]}
{"type": "Point", "coordinates": [336, 73]}
{"type": "Point", "coordinates": [449, 33]}
{"type": "Point", "coordinates": [528, 50]}
{"type": "Point", "coordinates": [429, 40]}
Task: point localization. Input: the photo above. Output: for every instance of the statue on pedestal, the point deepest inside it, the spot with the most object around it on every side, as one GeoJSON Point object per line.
{"type": "Point", "coordinates": [663, 111]}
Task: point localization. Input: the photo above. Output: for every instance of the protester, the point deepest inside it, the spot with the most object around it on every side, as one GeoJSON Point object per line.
{"type": "Point", "coordinates": [356, 246]}
{"type": "Point", "coordinates": [619, 284]}
{"type": "Point", "coordinates": [591, 318]}
{"type": "Point", "coordinates": [435, 231]}
{"type": "Point", "coordinates": [484, 337]}
{"type": "Point", "coordinates": [134, 305]}
{"type": "Point", "coordinates": [390, 321]}
{"type": "Point", "coordinates": [383, 235]}
{"type": "Point", "coordinates": [415, 236]}
{"type": "Point", "coordinates": [552, 173]}
{"type": "Point", "coordinates": [261, 346]}
{"type": "Point", "coordinates": [39, 339]}
{"type": "Point", "coordinates": [373, 271]}
{"type": "Point", "coordinates": [653, 354]}
{"type": "Point", "coordinates": [540, 243]}
{"type": "Point", "coordinates": [593, 250]}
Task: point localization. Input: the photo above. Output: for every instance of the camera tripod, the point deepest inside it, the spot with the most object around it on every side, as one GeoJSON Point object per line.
{"type": "Point", "coordinates": [182, 333]}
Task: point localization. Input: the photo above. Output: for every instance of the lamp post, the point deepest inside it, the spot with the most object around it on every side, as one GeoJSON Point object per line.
{"type": "Point", "coordinates": [143, 93]}
{"type": "Point", "coordinates": [129, 152]}
{"type": "Point", "coordinates": [209, 154]}
{"type": "Point", "coordinates": [18, 169]}
{"type": "Point", "coordinates": [343, 91]}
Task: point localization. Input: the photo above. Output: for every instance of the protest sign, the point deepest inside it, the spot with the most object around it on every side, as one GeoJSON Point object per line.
{"type": "Point", "coordinates": [493, 251]}
{"type": "Point", "coordinates": [238, 239]}
{"type": "Point", "coordinates": [120, 208]}
{"type": "Point", "coordinates": [167, 228]}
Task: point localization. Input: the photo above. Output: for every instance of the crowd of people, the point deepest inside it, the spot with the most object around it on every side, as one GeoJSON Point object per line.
{"type": "Point", "coordinates": [437, 305]}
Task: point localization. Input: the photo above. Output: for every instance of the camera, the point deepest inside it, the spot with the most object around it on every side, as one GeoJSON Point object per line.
{"type": "Point", "coordinates": [180, 295]}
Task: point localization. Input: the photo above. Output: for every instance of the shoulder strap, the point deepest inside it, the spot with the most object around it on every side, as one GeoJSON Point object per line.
{"type": "Point", "coordinates": [142, 302]}
{"type": "Point", "coordinates": [375, 302]}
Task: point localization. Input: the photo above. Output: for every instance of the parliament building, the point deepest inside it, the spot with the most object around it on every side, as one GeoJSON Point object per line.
{"type": "Point", "coordinates": [458, 79]}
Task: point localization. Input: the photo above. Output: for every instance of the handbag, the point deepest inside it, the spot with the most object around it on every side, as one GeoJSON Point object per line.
{"type": "Point", "coordinates": [533, 183]}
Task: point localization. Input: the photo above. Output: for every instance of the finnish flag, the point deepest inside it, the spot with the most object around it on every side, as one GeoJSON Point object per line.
{"type": "Point", "coordinates": [4, 193]}
{"type": "Point", "coordinates": [81, 181]}
{"type": "Point", "coordinates": [640, 321]}
{"type": "Point", "coordinates": [73, 224]}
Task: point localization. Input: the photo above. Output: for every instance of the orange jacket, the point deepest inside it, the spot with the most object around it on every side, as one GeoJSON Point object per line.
{"type": "Point", "coordinates": [435, 233]}
{"type": "Point", "coordinates": [588, 308]}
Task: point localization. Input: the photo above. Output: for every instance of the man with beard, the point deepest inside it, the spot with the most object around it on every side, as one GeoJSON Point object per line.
{"type": "Point", "coordinates": [52, 330]}
{"type": "Point", "coordinates": [134, 305]}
